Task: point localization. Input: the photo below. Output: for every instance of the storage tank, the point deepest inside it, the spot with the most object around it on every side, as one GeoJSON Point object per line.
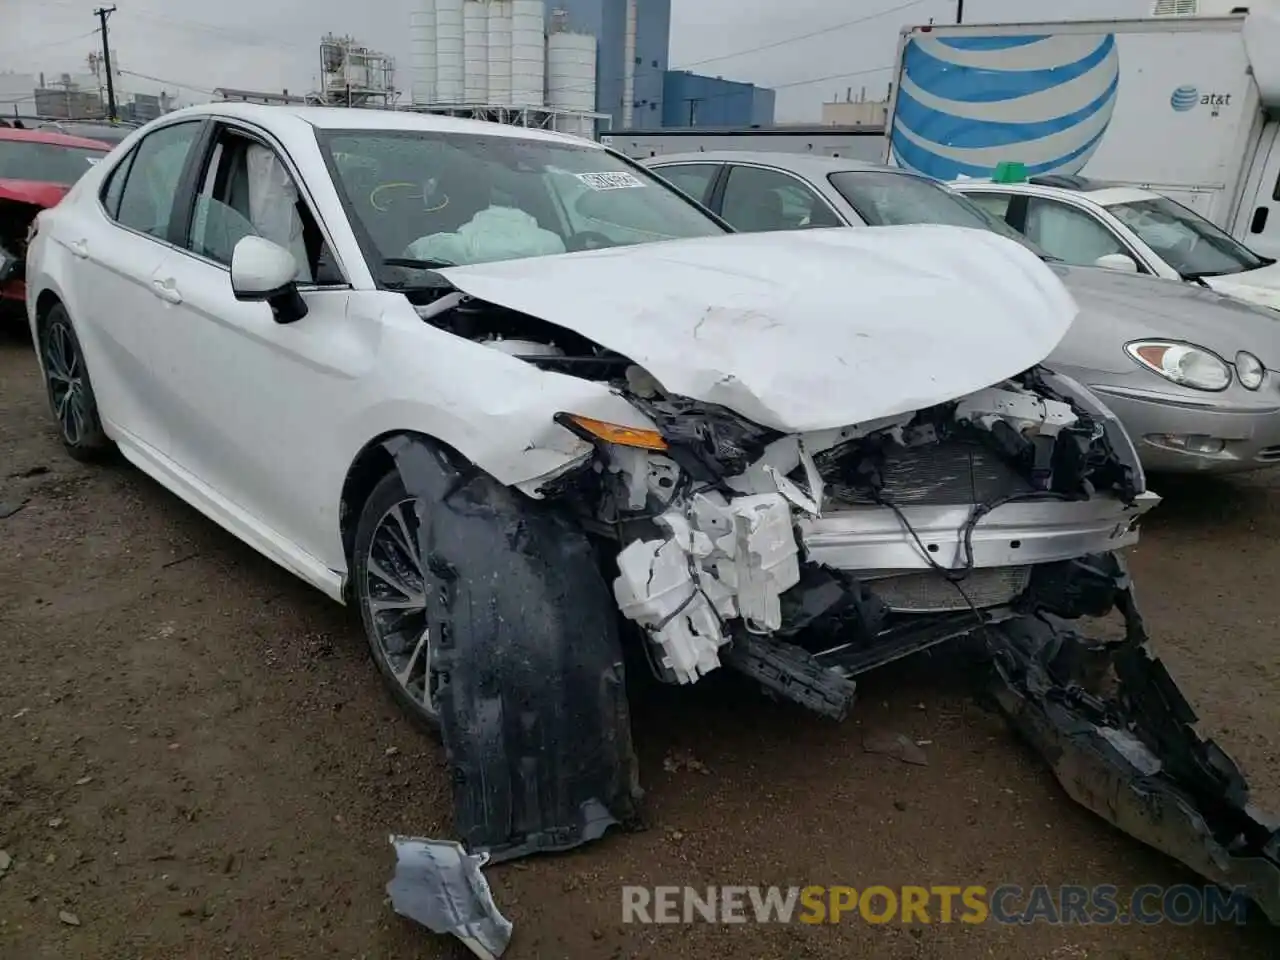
{"type": "Point", "coordinates": [422, 52]}
{"type": "Point", "coordinates": [499, 51]}
{"type": "Point", "coordinates": [528, 53]}
{"type": "Point", "coordinates": [475, 51]}
{"type": "Point", "coordinates": [571, 80]}
{"type": "Point", "coordinates": [449, 87]}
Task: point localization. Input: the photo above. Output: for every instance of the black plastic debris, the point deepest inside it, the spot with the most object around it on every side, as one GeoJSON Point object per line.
{"type": "Point", "coordinates": [528, 663]}
{"type": "Point", "coordinates": [439, 885]}
{"type": "Point", "coordinates": [1121, 739]}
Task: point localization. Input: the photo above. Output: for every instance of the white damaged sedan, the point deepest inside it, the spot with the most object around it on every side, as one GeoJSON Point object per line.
{"type": "Point", "coordinates": [519, 400]}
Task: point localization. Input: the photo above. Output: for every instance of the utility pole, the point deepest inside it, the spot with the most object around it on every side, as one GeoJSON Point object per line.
{"type": "Point", "coordinates": [102, 13]}
{"type": "Point", "coordinates": [959, 11]}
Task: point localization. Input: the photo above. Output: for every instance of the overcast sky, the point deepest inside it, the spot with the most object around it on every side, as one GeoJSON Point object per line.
{"type": "Point", "coordinates": [274, 45]}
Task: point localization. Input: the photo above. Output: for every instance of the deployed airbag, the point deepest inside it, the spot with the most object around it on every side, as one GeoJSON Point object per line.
{"type": "Point", "coordinates": [495, 233]}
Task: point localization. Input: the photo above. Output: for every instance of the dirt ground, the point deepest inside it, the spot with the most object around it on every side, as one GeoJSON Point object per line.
{"type": "Point", "coordinates": [197, 759]}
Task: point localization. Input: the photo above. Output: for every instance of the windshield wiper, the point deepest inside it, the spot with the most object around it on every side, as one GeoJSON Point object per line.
{"type": "Point", "coordinates": [413, 264]}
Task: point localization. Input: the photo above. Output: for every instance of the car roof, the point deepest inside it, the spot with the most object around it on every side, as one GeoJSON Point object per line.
{"type": "Point", "coordinates": [52, 137]}
{"type": "Point", "coordinates": [361, 118]}
{"type": "Point", "coordinates": [804, 164]}
{"type": "Point", "coordinates": [1102, 192]}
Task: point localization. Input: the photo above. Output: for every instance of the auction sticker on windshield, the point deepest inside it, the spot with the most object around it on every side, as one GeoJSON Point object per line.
{"type": "Point", "coordinates": [611, 180]}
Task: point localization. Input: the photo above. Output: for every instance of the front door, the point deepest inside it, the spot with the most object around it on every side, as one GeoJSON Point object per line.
{"type": "Point", "coordinates": [262, 397]}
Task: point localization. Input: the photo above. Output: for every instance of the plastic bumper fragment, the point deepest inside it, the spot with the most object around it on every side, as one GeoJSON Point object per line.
{"type": "Point", "coordinates": [722, 560]}
{"type": "Point", "coordinates": [440, 886]}
{"type": "Point", "coordinates": [1131, 754]}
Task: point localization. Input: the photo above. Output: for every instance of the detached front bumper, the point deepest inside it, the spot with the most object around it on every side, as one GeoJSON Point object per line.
{"type": "Point", "coordinates": [1175, 434]}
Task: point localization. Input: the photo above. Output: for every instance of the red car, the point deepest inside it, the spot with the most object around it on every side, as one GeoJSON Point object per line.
{"type": "Point", "coordinates": [37, 168]}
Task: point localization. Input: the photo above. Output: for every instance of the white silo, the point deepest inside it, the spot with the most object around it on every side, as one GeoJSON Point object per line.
{"type": "Point", "coordinates": [449, 87]}
{"type": "Point", "coordinates": [475, 51]}
{"type": "Point", "coordinates": [422, 52]}
{"type": "Point", "coordinates": [571, 80]}
{"type": "Point", "coordinates": [499, 51]}
{"type": "Point", "coordinates": [528, 53]}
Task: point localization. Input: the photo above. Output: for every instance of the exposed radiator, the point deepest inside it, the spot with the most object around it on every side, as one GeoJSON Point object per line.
{"type": "Point", "coordinates": [928, 591]}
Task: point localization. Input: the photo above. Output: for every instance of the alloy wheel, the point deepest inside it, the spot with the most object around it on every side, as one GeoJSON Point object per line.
{"type": "Point", "coordinates": [395, 598]}
{"type": "Point", "coordinates": [64, 372]}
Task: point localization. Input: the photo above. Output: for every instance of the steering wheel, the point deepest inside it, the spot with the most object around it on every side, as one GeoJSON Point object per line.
{"type": "Point", "coordinates": [588, 240]}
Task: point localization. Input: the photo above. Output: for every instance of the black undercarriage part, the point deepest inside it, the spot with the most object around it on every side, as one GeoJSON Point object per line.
{"type": "Point", "coordinates": [791, 672]}
{"type": "Point", "coordinates": [1121, 740]}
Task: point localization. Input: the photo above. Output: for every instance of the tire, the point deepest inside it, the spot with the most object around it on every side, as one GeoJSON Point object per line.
{"type": "Point", "coordinates": [387, 521]}
{"type": "Point", "coordinates": [70, 392]}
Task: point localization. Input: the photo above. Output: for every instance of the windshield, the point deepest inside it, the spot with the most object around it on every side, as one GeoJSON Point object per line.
{"type": "Point", "coordinates": [45, 162]}
{"type": "Point", "coordinates": [439, 199]}
{"type": "Point", "coordinates": [884, 199]}
{"type": "Point", "coordinates": [1185, 240]}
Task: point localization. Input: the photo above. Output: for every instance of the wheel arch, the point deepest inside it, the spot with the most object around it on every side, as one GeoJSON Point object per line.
{"type": "Point", "coordinates": [374, 461]}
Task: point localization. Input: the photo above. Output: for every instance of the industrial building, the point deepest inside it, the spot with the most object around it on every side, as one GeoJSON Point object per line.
{"type": "Point", "coordinates": [691, 100]}
{"type": "Point", "coordinates": [579, 66]}
{"type": "Point", "coordinates": [495, 59]}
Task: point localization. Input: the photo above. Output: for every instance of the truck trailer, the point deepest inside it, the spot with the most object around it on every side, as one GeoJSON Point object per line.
{"type": "Point", "coordinates": [1186, 105]}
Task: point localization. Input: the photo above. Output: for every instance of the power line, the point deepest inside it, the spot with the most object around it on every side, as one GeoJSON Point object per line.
{"type": "Point", "coordinates": [172, 83]}
{"type": "Point", "coordinates": [804, 36]}
{"type": "Point", "coordinates": [54, 43]}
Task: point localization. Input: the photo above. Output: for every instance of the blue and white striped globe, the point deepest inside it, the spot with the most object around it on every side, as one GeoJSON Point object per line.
{"type": "Point", "coordinates": [1184, 98]}
{"type": "Point", "coordinates": [966, 103]}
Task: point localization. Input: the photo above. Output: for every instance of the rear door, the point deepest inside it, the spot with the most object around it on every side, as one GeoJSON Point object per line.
{"type": "Point", "coordinates": [757, 199]}
{"type": "Point", "coordinates": [698, 180]}
{"type": "Point", "coordinates": [119, 307]}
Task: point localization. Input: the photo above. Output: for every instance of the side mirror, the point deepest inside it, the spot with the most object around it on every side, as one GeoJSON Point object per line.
{"type": "Point", "coordinates": [1117, 261]}
{"type": "Point", "coordinates": [262, 271]}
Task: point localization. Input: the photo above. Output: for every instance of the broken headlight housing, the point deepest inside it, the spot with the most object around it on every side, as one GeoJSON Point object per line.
{"type": "Point", "coordinates": [1182, 363]}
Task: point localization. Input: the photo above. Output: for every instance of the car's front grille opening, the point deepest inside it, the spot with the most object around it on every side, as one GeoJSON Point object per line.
{"type": "Point", "coordinates": [1268, 455]}
{"type": "Point", "coordinates": [951, 472]}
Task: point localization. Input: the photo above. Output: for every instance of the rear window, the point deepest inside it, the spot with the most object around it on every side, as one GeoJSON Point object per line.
{"type": "Point", "coordinates": [45, 162]}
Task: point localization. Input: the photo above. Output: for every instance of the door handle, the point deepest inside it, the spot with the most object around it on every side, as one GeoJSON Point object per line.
{"type": "Point", "coordinates": [166, 291]}
{"type": "Point", "coordinates": [1259, 222]}
{"type": "Point", "coordinates": [80, 248]}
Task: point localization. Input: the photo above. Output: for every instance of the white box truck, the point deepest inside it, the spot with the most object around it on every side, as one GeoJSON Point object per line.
{"type": "Point", "coordinates": [1187, 105]}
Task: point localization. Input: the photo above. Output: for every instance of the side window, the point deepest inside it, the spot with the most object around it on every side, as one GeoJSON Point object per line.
{"type": "Point", "coordinates": [152, 181]}
{"type": "Point", "coordinates": [756, 199]}
{"type": "Point", "coordinates": [996, 204]}
{"type": "Point", "coordinates": [1068, 233]}
{"type": "Point", "coordinates": [248, 191]}
{"type": "Point", "coordinates": [114, 186]}
{"type": "Point", "coordinates": [692, 178]}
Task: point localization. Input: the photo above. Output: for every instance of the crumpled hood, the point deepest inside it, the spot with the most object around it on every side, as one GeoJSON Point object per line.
{"type": "Point", "coordinates": [803, 330]}
{"type": "Point", "coordinates": [1119, 307]}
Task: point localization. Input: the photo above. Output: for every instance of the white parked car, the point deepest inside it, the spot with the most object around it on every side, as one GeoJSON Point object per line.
{"type": "Point", "coordinates": [1089, 223]}
{"type": "Point", "coordinates": [509, 393]}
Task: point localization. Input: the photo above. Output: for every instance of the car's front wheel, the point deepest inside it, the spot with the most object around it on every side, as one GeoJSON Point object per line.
{"type": "Point", "coordinates": [70, 391]}
{"type": "Point", "coordinates": [391, 592]}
